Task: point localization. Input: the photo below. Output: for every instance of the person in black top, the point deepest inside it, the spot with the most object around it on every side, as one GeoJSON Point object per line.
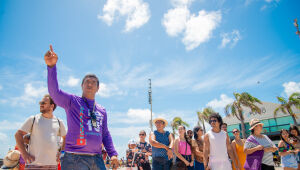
{"type": "Point", "coordinates": [144, 151]}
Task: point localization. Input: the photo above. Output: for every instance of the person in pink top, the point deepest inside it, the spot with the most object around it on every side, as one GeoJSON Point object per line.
{"type": "Point", "coordinates": [184, 155]}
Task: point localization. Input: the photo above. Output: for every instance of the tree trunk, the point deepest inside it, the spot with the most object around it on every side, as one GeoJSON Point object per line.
{"type": "Point", "coordinates": [203, 127]}
{"type": "Point", "coordinates": [243, 126]}
{"type": "Point", "coordinates": [294, 118]}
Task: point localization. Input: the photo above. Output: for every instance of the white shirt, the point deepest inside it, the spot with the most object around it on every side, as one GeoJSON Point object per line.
{"type": "Point", "coordinates": [44, 140]}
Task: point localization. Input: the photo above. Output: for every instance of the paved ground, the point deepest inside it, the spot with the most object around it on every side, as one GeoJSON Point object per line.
{"type": "Point", "coordinates": [278, 168]}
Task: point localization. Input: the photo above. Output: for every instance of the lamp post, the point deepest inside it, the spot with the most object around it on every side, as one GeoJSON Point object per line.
{"type": "Point", "coordinates": [150, 102]}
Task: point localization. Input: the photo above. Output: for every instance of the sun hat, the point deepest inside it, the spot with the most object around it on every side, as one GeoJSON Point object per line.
{"type": "Point", "coordinates": [161, 119]}
{"type": "Point", "coordinates": [254, 122]}
{"type": "Point", "coordinates": [11, 160]}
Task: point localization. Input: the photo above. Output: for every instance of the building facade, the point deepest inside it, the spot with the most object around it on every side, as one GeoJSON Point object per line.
{"type": "Point", "coordinates": [272, 125]}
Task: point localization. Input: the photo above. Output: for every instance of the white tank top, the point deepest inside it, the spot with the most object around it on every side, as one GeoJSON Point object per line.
{"type": "Point", "coordinates": [218, 148]}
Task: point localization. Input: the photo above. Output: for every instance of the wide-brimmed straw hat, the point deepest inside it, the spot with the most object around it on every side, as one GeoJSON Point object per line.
{"type": "Point", "coordinates": [11, 160]}
{"type": "Point", "coordinates": [254, 122]}
{"type": "Point", "coordinates": [161, 119]}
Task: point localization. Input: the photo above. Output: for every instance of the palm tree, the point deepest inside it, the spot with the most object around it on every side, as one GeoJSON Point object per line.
{"type": "Point", "coordinates": [236, 108]}
{"type": "Point", "coordinates": [286, 106]}
{"type": "Point", "coordinates": [177, 121]}
{"type": "Point", "coordinates": [204, 115]}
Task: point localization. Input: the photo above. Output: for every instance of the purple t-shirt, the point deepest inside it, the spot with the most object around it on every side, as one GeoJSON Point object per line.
{"type": "Point", "coordinates": [82, 137]}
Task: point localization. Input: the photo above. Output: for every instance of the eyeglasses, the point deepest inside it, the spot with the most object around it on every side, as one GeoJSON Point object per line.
{"type": "Point", "coordinates": [212, 121]}
{"type": "Point", "coordinates": [235, 131]}
{"type": "Point", "coordinates": [142, 134]}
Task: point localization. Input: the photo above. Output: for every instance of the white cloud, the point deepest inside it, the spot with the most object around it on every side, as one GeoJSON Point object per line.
{"type": "Point", "coordinates": [220, 103]}
{"type": "Point", "coordinates": [199, 28]}
{"type": "Point", "coordinates": [137, 13]}
{"type": "Point", "coordinates": [175, 20]}
{"type": "Point", "coordinates": [72, 82]}
{"type": "Point", "coordinates": [132, 116]}
{"type": "Point", "coordinates": [10, 125]}
{"type": "Point", "coordinates": [230, 38]}
{"type": "Point", "coordinates": [1, 87]}
{"type": "Point", "coordinates": [32, 91]}
{"type": "Point", "coordinates": [108, 90]}
{"type": "Point", "coordinates": [181, 3]}
{"type": "Point", "coordinates": [196, 29]}
{"type": "Point", "coordinates": [291, 87]}
{"type": "Point", "coordinates": [3, 137]}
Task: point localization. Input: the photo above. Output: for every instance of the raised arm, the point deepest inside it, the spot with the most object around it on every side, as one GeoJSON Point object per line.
{"type": "Point", "coordinates": [61, 98]}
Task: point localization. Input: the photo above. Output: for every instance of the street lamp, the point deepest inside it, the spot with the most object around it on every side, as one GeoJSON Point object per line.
{"type": "Point", "coordinates": [150, 102]}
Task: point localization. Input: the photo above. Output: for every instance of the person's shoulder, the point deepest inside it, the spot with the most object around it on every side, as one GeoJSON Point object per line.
{"type": "Point", "coordinates": [101, 108]}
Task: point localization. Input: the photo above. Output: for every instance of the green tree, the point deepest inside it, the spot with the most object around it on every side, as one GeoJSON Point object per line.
{"type": "Point", "coordinates": [236, 108]}
{"type": "Point", "coordinates": [177, 121]}
{"type": "Point", "coordinates": [204, 115]}
{"type": "Point", "coordinates": [286, 106]}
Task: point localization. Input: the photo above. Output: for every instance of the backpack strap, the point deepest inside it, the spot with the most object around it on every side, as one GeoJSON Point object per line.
{"type": "Point", "coordinates": [59, 132]}
{"type": "Point", "coordinates": [32, 124]}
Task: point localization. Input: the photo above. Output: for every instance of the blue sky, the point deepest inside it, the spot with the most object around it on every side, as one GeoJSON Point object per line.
{"type": "Point", "coordinates": [197, 53]}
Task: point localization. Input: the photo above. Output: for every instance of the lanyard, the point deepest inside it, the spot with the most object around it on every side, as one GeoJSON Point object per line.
{"type": "Point", "coordinates": [92, 113]}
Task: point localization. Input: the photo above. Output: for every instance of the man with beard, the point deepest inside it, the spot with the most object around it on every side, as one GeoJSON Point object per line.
{"type": "Point", "coordinates": [44, 130]}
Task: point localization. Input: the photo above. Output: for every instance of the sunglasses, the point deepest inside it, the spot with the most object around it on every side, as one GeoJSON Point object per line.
{"type": "Point", "coordinates": [212, 121]}
{"type": "Point", "coordinates": [235, 131]}
{"type": "Point", "coordinates": [42, 103]}
{"type": "Point", "coordinates": [142, 134]}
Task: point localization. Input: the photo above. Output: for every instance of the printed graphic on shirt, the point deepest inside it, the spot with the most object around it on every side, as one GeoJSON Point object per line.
{"type": "Point", "coordinates": [81, 141]}
{"type": "Point", "coordinates": [91, 130]}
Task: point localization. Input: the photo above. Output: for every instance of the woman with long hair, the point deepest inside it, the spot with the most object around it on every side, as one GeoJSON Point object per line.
{"type": "Point", "coordinates": [287, 152]}
{"type": "Point", "coordinates": [185, 157]}
{"type": "Point", "coordinates": [197, 148]}
{"type": "Point", "coordinates": [238, 146]}
{"type": "Point", "coordinates": [295, 138]}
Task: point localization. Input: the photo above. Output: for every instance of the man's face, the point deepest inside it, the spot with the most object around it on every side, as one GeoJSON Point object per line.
{"type": "Point", "coordinates": [224, 128]}
{"type": "Point", "coordinates": [214, 122]}
{"type": "Point", "coordinates": [190, 133]}
{"type": "Point", "coordinates": [45, 105]}
{"type": "Point", "coordinates": [142, 135]}
{"type": "Point", "coordinates": [90, 86]}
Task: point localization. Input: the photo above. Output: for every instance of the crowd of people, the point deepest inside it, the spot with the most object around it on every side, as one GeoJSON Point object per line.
{"type": "Point", "coordinates": [42, 142]}
{"type": "Point", "coordinates": [214, 150]}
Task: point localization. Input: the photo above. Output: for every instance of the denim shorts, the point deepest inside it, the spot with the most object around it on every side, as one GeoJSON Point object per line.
{"type": "Point", "coordinates": [289, 161]}
{"type": "Point", "coordinates": [70, 161]}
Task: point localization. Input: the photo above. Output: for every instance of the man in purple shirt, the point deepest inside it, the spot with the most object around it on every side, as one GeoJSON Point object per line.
{"type": "Point", "coordinates": [87, 122]}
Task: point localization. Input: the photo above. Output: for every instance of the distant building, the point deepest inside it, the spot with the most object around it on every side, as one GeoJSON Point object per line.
{"type": "Point", "coordinates": [272, 125]}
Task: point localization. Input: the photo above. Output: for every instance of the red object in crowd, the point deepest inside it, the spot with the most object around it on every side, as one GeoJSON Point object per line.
{"type": "Point", "coordinates": [58, 166]}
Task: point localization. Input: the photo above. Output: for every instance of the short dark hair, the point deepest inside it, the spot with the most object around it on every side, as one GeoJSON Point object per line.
{"type": "Point", "coordinates": [51, 101]}
{"type": "Point", "coordinates": [90, 76]}
{"type": "Point", "coordinates": [293, 127]}
{"type": "Point", "coordinates": [224, 124]}
{"type": "Point", "coordinates": [217, 116]}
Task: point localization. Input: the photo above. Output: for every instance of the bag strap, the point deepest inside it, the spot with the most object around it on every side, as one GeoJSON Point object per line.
{"type": "Point", "coordinates": [32, 124]}
{"type": "Point", "coordinates": [59, 132]}
{"type": "Point", "coordinates": [253, 140]}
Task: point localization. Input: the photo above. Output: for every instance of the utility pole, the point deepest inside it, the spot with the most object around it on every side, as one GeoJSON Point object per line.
{"type": "Point", "coordinates": [150, 102]}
